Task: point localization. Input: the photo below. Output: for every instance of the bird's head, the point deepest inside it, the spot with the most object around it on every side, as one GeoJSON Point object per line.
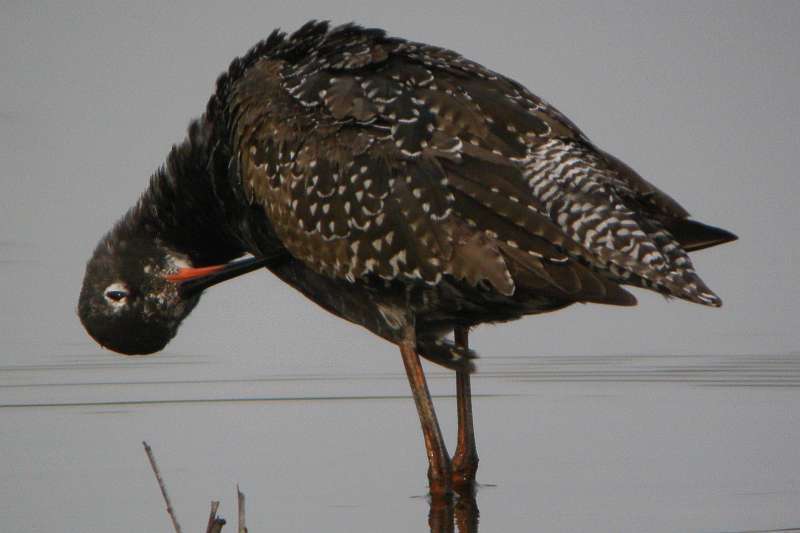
{"type": "Point", "coordinates": [130, 301]}
{"type": "Point", "coordinates": [136, 292]}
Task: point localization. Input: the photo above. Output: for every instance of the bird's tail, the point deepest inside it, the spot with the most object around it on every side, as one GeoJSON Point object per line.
{"type": "Point", "coordinates": [694, 236]}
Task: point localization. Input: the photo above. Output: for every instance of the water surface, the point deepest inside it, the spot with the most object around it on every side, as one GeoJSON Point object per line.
{"type": "Point", "coordinates": [567, 443]}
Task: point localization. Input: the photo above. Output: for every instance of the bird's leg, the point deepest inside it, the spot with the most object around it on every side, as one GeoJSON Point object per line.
{"type": "Point", "coordinates": [439, 471]}
{"type": "Point", "coordinates": [465, 459]}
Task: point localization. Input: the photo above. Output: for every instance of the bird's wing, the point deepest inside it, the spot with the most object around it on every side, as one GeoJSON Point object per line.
{"type": "Point", "coordinates": [659, 207]}
{"type": "Point", "coordinates": [352, 196]}
{"type": "Point", "coordinates": [379, 156]}
{"type": "Point", "coordinates": [640, 193]}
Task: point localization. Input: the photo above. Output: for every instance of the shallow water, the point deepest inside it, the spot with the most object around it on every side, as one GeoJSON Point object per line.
{"type": "Point", "coordinates": [567, 443]}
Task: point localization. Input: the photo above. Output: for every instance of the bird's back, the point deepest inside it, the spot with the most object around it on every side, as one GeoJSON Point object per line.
{"type": "Point", "coordinates": [375, 158]}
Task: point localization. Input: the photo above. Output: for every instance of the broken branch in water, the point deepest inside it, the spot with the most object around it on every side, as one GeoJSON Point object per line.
{"type": "Point", "coordinates": [240, 500]}
{"type": "Point", "coordinates": [215, 522]}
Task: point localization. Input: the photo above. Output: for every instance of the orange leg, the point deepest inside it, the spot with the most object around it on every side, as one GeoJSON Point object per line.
{"type": "Point", "coordinates": [439, 471]}
{"type": "Point", "coordinates": [465, 460]}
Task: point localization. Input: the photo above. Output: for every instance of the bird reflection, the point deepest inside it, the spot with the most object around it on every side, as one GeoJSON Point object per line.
{"type": "Point", "coordinates": [458, 513]}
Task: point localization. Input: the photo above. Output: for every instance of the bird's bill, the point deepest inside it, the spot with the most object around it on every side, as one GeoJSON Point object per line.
{"type": "Point", "coordinates": [186, 274]}
{"type": "Point", "coordinates": [194, 280]}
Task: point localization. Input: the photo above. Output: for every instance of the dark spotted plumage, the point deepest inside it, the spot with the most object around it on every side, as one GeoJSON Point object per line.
{"type": "Point", "coordinates": [404, 184]}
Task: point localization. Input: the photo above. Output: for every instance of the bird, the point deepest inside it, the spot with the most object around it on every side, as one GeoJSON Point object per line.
{"type": "Point", "coordinates": [401, 187]}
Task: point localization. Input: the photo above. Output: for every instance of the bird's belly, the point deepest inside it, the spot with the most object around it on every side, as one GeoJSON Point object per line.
{"type": "Point", "coordinates": [457, 303]}
{"type": "Point", "coordinates": [387, 308]}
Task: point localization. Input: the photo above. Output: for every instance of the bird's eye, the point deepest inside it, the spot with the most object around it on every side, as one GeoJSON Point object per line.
{"type": "Point", "coordinates": [116, 293]}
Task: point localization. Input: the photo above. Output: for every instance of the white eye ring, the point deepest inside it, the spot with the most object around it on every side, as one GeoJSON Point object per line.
{"type": "Point", "coordinates": [116, 294]}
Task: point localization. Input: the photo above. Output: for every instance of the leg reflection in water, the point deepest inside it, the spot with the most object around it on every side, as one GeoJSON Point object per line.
{"type": "Point", "coordinates": [458, 513]}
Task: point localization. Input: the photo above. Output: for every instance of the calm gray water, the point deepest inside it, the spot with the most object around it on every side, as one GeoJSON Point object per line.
{"type": "Point", "coordinates": [693, 428]}
{"type": "Point", "coordinates": [568, 443]}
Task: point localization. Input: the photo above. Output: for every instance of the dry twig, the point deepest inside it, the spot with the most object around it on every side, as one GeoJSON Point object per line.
{"type": "Point", "coordinates": [240, 500]}
{"type": "Point", "coordinates": [163, 487]}
{"type": "Point", "coordinates": [215, 522]}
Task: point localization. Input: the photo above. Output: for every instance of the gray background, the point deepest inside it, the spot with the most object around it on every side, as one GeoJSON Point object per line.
{"type": "Point", "coordinates": [700, 98]}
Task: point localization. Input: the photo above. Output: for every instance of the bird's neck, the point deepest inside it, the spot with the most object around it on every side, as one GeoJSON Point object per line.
{"type": "Point", "coordinates": [180, 209]}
